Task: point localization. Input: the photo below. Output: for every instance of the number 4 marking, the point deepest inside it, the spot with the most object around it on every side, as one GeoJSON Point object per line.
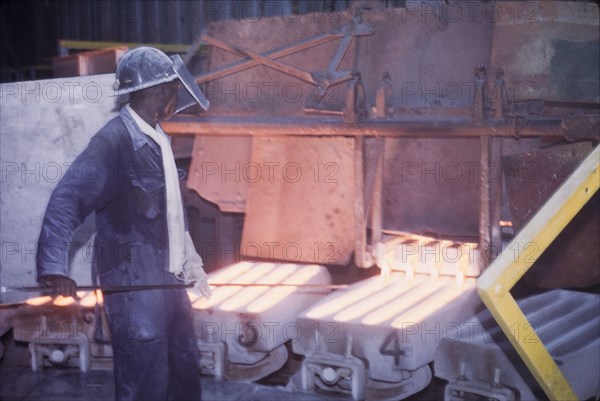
{"type": "Point", "coordinates": [391, 346]}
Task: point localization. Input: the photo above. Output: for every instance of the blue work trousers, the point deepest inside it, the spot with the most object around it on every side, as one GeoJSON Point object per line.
{"type": "Point", "coordinates": [154, 346]}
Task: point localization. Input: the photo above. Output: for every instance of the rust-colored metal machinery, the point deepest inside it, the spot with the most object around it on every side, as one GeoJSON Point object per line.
{"type": "Point", "coordinates": [332, 131]}
{"type": "Point", "coordinates": [417, 140]}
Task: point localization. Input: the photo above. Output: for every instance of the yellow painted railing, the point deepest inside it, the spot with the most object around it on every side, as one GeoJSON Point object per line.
{"type": "Point", "coordinates": [93, 45]}
{"type": "Point", "coordinates": [495, 283]}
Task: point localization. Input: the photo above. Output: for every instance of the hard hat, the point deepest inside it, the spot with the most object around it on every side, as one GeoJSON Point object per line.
{"type": "Point", "coordinates": [144, 67]}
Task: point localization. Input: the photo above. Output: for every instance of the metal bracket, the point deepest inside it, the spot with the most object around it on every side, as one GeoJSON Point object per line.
{"type": "Point", "coordinates": [59, 352]}
{"type": "Point", "coordinates": [213, 357]}
{"type": "Point", "coordinates": [463, 390]}
{"type": "Point", "coordinates": [368, 212]}
{"type": "Point", "coordinates": [331, 368]}
{"type": "Point", "coordinates": [322, 79]}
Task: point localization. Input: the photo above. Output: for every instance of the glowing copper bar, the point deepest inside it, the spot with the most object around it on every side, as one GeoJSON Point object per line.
{"type": "Point", "coordinates": [38, 300]}
{"type": "Point", "coordinates": [63, 301]}
{"type": "Point", "coordinates": [277, 295]}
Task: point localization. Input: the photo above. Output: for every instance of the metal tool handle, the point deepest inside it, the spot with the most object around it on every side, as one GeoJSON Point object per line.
{"type": "Point", "coordinates": [120, 288]}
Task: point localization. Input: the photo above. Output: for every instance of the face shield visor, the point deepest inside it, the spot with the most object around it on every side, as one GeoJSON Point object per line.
{"type": "Point", "coordinates": [193, 94]}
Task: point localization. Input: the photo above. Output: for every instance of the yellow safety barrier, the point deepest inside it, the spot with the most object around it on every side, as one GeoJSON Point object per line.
{"type": "Point", "coordinates": [495, 283]}
{"type": "Point", "coordinates": [93, 45]}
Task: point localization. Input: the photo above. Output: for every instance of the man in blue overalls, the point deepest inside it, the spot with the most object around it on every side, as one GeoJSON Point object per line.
{"type": "Point", "coordinates": [141, 234]}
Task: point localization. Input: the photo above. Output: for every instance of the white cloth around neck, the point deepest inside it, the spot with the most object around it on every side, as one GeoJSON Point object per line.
{"type": "Point", "coordinates": [175, 217]}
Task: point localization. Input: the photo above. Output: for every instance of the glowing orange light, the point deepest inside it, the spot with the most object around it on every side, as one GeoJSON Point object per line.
{"type": "Point", "coordinates": [100, 297]}
{"type": "Point", "coordinates": [227, 274]}
{"type": "Point", "coordinates": [87, 299]}
{"type": "Point", "coordinates": [38, 300]}
{"type": "Point", "coordinates": [255, 298]}
{"type": "Point", "coordinates": [219, 295]}
{"type": "Point", "coordinates": [276, 295]}
{"type": "Point", "coordinates": [269, 275]}
{"type": "Point", "coordinates": [443, 295]}
{"type": "Point", "coordinates": [350, 297]}
{"type": "Point", "coordinates": [90, 298]}
{"type": "Point", "coordinates": [243, 273]}
{"type": "Point", "coordinates": [376, 302]}
{"type": "Point", "coordinates": [63, 301]}
{"type": "Point", "coordinates": [407, 297]}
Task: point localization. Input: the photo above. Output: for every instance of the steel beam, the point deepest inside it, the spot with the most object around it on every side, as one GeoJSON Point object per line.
{"type": "Point", "coordinates": [307, 126]}
{"type": "Point", "coordinates": [485, 236]}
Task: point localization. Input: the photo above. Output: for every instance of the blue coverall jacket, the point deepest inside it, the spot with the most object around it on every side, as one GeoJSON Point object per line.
{"type": "Point", "coordinates": [120, 177]}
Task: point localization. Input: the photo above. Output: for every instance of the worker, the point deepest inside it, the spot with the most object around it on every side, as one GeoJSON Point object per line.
{"type": "Point", "coordinates": [132, 184]}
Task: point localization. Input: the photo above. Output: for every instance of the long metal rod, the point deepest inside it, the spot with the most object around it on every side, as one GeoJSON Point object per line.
{"type": "Point", "coordinates": [121, 288]}
{"type": "Point", "coordinates": [307, 126]}
{"type": "Point", "coordinates": [485, 183]}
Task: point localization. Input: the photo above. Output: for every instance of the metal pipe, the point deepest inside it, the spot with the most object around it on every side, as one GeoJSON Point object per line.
{"type": "Point", "coordinates": [307, 126]}
{"type": "Point", "coordinates": [484, 204]}
{"type": "Point", "coordinates": [120, 288]}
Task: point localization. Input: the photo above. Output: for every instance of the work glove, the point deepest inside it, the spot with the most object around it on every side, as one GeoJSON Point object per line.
{"type": "Point", "coordinates": [61, 284]}
{"type": "Point", "coordinates": [192, 269]}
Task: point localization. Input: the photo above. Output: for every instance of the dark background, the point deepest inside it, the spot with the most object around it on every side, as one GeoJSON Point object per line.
{"type": "Point", "coordinates": [30, 30]}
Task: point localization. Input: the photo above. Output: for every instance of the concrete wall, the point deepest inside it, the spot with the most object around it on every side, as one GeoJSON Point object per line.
{"type": "Point", "coordinates": [43, 126]}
